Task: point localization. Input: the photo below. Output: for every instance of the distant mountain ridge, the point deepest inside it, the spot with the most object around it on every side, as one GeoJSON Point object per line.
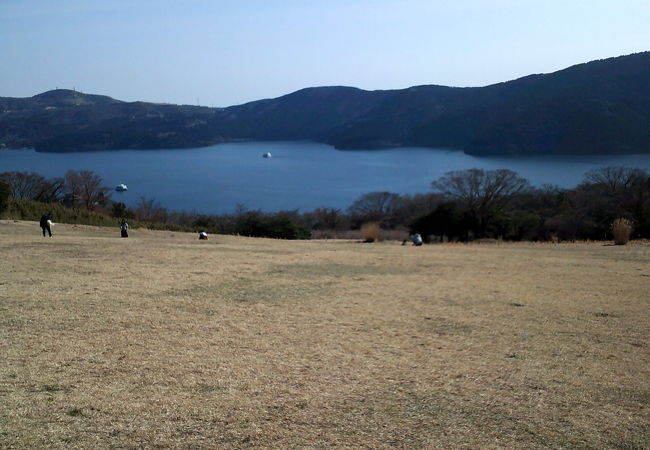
{"type": "Point", "coordinates": [601, 107]}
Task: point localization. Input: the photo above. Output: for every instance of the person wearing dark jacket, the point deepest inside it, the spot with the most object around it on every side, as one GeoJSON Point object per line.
{"type": "Point", "coordinates": [46, 223]}
{"type": "Point", "coordinates": [124, 228]}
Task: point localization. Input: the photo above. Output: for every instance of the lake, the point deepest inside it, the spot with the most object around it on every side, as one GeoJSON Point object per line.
{"type": "Point", "coordinates": [299, 175]}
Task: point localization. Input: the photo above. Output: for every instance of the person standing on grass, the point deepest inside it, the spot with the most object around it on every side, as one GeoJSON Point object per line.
{"type": "Point", "coordinates": [46, 223]}
{"type": "Point", "coordinates": [124, 227]}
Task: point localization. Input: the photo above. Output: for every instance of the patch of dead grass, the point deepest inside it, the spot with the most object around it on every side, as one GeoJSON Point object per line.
{"type": "Point", "coordinates": [153, 341]}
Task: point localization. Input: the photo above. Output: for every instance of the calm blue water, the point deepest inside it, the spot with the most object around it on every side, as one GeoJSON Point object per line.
{"type": "Point", "coordinates": [300, 175]}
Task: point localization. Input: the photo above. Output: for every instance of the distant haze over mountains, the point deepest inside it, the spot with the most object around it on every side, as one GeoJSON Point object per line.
{"type": "Point", "coordinates": [601, 107]}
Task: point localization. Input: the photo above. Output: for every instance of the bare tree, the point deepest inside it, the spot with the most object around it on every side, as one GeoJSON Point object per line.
{"type": "Point", "coordinates": [615, 191]}
{"type": "Point", "coordinates": [482, 193]}
{"type": "Point", "coordinates": [32, 186]}
{"type": "Point", "coordinates": [622, 184]}
{"type": "Point", "coordinates": [149, 210]}
{"type": "Point", "coordinates": [326, 219]}
{"type": "Point", "coordinates": [416, 206]}
{"type": "Point", "coordinates": [50, 190]}
{"type": "Point", "coordinates": [616, 179]}
{"type": "Point", "coordinates": [86, 189]}
{"type": "Point", "coordinates": [23, 184]}
{"type": "Point", "coordinates": [375, 207]}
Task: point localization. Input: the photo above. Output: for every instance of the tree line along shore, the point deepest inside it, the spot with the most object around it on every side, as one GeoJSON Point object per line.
{"type": "Point", "coordinates": [463, 206]}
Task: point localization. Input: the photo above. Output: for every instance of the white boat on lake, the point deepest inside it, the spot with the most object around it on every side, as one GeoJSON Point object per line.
{"type": "Point", "coordinates": [266, 155]}
{"type": "Point", "coordinates": [121, 187]}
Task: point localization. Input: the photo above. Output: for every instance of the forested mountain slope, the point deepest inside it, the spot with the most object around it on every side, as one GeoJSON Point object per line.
{"type": "Point", "coordinates": [598, 107]}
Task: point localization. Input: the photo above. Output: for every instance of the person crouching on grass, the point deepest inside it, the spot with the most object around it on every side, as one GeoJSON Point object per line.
{"type": "Point", "coordinates": [46, 223]}
{"type": "Point", "coordinates": [416, 239]}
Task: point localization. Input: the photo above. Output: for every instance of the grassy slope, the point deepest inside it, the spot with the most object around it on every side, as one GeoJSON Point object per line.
{"type": "Point", "coordinates": [164, 340]}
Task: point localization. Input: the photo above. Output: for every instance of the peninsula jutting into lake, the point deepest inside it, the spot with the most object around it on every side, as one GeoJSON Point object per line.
{"type": "Point", "coordinates": [601, 107]}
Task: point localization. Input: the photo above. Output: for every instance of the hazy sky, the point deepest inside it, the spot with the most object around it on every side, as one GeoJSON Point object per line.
{"type": "Point", "coordinates": [225, 52]}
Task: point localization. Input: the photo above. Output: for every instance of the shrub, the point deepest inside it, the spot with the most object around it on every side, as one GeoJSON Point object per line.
{"type": "Point", "coordinates": [370, 232]}
{"type": "Point", "coordinates": [5, 196]}
{"type": "Point", "coordinates": [621, 230]}
{"type": "Point", "coordinates": [279, 227]}
{"type": "Point", "coordinates": [445, 220]}
{"type": "Point", "coordinates": [119, 210]}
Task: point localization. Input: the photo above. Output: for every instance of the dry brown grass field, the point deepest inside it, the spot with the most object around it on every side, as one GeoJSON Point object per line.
{"type": "Point", "coordinates": [162, 340]}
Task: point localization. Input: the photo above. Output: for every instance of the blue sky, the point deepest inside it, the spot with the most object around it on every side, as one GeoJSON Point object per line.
{"type": "Point", "coordinates": [226, 52]}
